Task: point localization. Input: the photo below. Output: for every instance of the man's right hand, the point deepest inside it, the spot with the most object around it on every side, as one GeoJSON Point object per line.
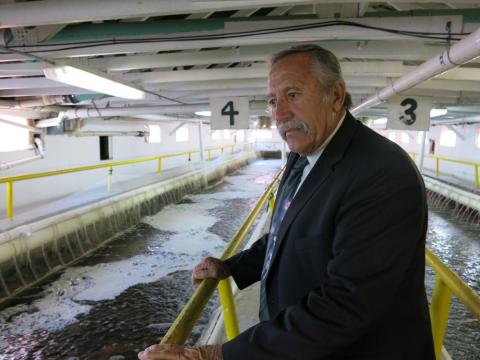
{"type": "Point", "coordinates": [210, 268]}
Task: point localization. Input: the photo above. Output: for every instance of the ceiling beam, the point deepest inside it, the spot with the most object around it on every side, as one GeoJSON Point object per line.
{"type": "Point", "coordinates": [419, 24]}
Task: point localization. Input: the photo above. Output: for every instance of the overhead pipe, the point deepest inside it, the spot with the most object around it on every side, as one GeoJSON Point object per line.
{"type": "Point", "coordinates": [107, 133]}
{"type": "Point", "coordinates": [25, 127]}
{"type": "Point", "coordinates": [11, 164]}
{"type": "Point", "coordinates": [460, 53]}
{"type": "Point", "coordinates": [40, 101]}
{"type": "Point", "coordinates": [459, 120]}
{"type": "Point", "coordinates": [80, 113]}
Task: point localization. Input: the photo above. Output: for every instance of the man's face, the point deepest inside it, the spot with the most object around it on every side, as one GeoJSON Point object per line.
{"type": "Point", "coordinates": [296, 100]}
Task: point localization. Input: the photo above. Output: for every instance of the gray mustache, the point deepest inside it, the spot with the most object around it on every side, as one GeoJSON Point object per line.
{"type": "Point", "coordinates": [292, 125]}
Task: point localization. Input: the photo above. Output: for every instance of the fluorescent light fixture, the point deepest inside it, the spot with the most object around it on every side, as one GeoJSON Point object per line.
{"type": "Point", "coordinates": [92, 79]}
{"type": "Point", "coordinates": [203, 113]}
{"type": "Point", "coordinates": [437, 112]}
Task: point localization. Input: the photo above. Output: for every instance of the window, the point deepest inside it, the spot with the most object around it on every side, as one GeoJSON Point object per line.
{"type": "Point", "coordinates": [226, 134]}
{"type": "Point", "coordinates": [155, 134]}
{"type": "Point", "coordinates": [477, 142]}
{"type": "Point", "coordinates": [448, 138]}
{"type": "Point", "coordinates": [392, 136]}
{"type": "Point", "coordinates": [216, 135]}
{"type": "Point", "coordinates": [404, 138]}
{"type": "Point", "coordinates": [13, 138]}
{"type": "Point", "coordinates": [106, 152]}
{"type": "Point", "coordinates": [263, 134]}
{"type": "Point", "coordinates": [181, 134]}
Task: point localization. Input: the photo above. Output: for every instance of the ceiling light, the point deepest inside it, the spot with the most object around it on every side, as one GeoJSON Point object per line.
{"type": "Point", "coordinates": [92, 79]}
{"type": "Point", "coordinates": [437, 112]}
{"type": "Point", "coordinates": [203, 113]}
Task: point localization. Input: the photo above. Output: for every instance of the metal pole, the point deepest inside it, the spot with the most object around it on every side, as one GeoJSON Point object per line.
{"type": "Point", "coordinates": [421, 154]}
{"type": "Point", "coordinates": [200, 139]}
{"type": "Point", "coordinates": [10, 200]}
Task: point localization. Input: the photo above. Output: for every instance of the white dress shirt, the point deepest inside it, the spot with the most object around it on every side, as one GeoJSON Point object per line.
{"type": "Point", "coordinates": [314, 156]}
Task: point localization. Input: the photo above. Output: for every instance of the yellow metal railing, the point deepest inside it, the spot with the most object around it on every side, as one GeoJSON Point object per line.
{"type": "Point", "coordinates": [475, 165]}
{"type": "Point", "coordinates": [9, 181]}
{"type": "Point", "coordinates": [446, 284]}
{"type": "Point", "coordinates": [183, 324]}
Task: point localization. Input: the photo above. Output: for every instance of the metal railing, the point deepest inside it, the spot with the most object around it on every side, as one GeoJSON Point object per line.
{"type": "Point", "coordinates": [10, 180]}
{"type": "Point", "coordinates": [475, 165]}
{"type": "Point", "coordinates": [183, 324]}
{"type": "Point", "coordinates": [446, 284]}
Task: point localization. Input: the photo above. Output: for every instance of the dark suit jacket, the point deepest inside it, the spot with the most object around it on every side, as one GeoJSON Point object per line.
{"type": "Point", "coordinates": [347, 275]}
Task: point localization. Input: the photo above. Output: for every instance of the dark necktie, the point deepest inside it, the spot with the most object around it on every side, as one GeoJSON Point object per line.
{"type": "Point", "coordinates": [283, 202]}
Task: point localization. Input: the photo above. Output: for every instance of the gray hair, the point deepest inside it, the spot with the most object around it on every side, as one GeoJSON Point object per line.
{"type": "Point", "coordinates": [325, 64]}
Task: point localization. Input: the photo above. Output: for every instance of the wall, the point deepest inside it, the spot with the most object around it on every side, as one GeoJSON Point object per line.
{"type": "Point", "coordinates": [62, 151]}
{"type": "Point", "coordinates": [465, 149]}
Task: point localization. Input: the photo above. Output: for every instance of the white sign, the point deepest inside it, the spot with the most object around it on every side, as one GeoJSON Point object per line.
{"type": "Point", "coordinates": [409, 112]}
{"type": "Point", "coordinates": [229, 113]}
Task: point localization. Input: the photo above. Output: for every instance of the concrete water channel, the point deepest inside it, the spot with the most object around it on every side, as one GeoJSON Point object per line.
{"type": "Point", "coordinates": [125, 295]}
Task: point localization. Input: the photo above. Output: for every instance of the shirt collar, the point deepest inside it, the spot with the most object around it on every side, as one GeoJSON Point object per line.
{"type": "Point", "coordinates": [313, 157]}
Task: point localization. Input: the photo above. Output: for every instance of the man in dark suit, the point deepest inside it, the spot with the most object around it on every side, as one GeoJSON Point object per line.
{"type": "Point", "coordinates": [342, 267]}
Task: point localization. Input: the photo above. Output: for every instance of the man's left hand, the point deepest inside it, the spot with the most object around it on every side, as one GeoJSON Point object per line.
{"type": "Point", "coordinates": [177, 352]}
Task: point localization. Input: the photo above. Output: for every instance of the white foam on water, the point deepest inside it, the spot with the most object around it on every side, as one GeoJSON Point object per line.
{"type": "Point", "coordinates": [181, 250]}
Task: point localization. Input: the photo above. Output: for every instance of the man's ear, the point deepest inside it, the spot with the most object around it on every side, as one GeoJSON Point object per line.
{"type": "Point", "coordinates": [338, 97]}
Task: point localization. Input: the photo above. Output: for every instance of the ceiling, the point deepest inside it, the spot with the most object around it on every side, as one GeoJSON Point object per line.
{"type": "Point", "coordinates": [184, 52]}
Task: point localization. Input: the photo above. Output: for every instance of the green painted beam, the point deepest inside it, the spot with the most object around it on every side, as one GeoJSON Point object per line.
{"type": "Point", "coordinates": [84, 31]}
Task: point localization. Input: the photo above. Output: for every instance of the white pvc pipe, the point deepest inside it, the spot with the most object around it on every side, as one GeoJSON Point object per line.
{"type": "Point", "coordinates": [107, 133]}
{"type": "Point", "coordinates": [460, 53]}
{"type": "Point", "coordinates": [458, 120]}
{"type": "Point", "coordinates": [11, 164]}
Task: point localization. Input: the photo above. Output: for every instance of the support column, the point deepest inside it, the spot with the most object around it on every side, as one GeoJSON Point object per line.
{"type": "Point", "coordinates": [421, 153]}
{"type": "Point", "coordinates": [200, 139]}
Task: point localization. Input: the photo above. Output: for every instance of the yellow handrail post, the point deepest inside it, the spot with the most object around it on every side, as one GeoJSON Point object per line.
{"type": "Point", "coordinates": [159, 170]}
{"type": "Point", "coordinates": [271, 203]}
{"type": "Point", "coordinates": [10, 200]}
{"type": "Point", "coordinates": [477, 184]}
{"type": "Point", "coordinates": [228, 309]}
{"type": "Point", "coordinates": [439, 308]}
{"type": "Point", "coordinates": [222, 149]}
{"type": "Point", "coordinates": [437, 171]}
{"type": "Point", "coordinates": [209, 156]}
{"type": "Point", "coordinates": [233, 148]}
{"type": "Point", "coordinates": [109, 180]}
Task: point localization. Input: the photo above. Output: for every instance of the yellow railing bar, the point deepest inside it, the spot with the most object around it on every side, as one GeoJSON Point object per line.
{"type": "Point", "coordinates": [446, 283]}
{"type": "Point", "coordinates": [11, 179]}
{"type": "Point", "coordinates": [437, 165]}
{"type": "Point", "coordinates": [183, 324]}
{"type": "Point", "coordinates": [228, 309]}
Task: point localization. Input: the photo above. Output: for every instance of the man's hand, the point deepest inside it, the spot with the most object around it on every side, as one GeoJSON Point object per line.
{"type": "Point", "coordinates": [210, 268]}
{"type": "Point", "coordinates": [177, 352]}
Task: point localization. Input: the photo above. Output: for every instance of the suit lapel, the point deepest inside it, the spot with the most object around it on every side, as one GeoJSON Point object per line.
{"type": "Point", "coordinates": [332, 154]}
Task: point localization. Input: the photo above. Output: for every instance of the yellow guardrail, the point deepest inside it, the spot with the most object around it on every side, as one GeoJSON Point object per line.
{"type": "Point", "coordinates": [183, 324]}
{"type": "Point", "coordinates": [10, 180]}
{"type": "Point", "coordinates": [446, 283]}
{"type": "Point", "coordinates": [475, 165]}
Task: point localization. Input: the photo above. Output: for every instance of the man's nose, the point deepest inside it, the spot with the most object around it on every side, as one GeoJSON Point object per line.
{"type": "Point", "coordinates": [283, 111]}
